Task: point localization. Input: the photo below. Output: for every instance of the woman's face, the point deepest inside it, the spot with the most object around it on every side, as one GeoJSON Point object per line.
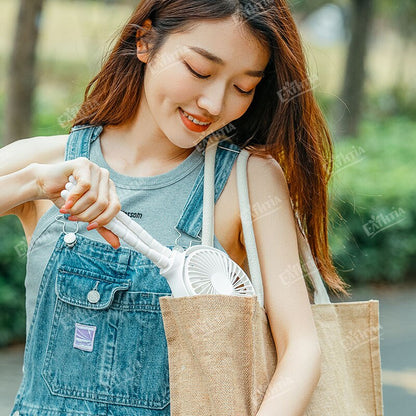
{"type": "Point", "coordinates": [209, 72]}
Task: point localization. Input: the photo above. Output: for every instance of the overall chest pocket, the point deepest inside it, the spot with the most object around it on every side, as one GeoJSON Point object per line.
{"type": "Point", "coordinates": [106, 343]}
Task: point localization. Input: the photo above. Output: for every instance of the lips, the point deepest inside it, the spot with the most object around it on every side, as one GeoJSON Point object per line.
{"type": "Point", "coordinates": [191, 125]}
{"type": "Point", "coordinates": [198, 118]}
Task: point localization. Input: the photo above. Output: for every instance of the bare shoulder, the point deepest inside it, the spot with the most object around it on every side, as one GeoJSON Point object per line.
{"type": "Point", "coordinates": [263, 171]}
{"type": "Point", "coordinates": [267, 185]}
{"type": "Point", "coordinates": [268, 192]}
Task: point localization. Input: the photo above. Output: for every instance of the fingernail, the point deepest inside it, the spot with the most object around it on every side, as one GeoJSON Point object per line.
{"type": "Point", "coordinates": [72, 218]}
{"type": "Point", "coordinates": [92, 226]}
{"type": "Point", "coordinates": [63, 211]}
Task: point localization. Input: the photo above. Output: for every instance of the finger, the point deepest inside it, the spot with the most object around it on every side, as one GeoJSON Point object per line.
{"type": "Point", "coordinates": [109, 236]}
{"type": "Point", "coordinates": [81, 201]}
{"type": "Point", "coordinates": [113, 207]}
{"type": "Point", "coordinates": [80, 169]}
{"type": "Point", "coordinates": [98, 201]}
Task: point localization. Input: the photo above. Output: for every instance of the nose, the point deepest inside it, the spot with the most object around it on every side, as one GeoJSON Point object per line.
{"type": "Point", "coordinates": [212, 100]}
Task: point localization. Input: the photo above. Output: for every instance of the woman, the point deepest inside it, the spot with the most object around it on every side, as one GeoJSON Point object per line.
{"type": "Point", "coordinates": [180, 71]}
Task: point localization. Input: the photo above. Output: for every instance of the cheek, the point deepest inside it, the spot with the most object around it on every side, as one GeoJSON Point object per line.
{"type": "Point", "coordinates": [171, 85]}
{"type": "Point", "coordinates": [238, 107]}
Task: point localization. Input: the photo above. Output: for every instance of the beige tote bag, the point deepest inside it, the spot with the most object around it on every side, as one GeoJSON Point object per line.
{"type": "Point", "coordinates": [220, 348]}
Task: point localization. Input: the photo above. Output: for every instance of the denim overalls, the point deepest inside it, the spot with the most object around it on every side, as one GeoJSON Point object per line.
{"type": "Point", "coordinates": [96, 344]}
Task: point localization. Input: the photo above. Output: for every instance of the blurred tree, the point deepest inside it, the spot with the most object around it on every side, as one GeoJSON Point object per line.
{"type": "Point", "coordinates": [303, 8]}
{"type": "Point", "coordinates": [403, 18]}
{"type": "Point", "coordinates": [347, 110]}
{"type": "Point", "coordinates": [21, 75]}
{"type": "Point", "coordinates": [358, 19]}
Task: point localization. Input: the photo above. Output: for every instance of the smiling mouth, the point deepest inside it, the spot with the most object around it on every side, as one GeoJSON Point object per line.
{"type": "Point", "coordinates": [195, 120]}
{"type": "Point", "coordinates": [193, 124]}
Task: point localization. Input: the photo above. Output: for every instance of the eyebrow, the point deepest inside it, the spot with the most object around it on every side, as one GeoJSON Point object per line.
{"type": "Point", "coordinates": [208, 55]}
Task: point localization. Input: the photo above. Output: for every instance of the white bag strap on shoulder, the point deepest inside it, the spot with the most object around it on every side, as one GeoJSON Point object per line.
{"type": "Point", "coordinates": [320, 293]}
{"type": "Point", "coordinates": [246, 221]}
{"type": "Point", "coordinates": [208, 215]}
{"type": "Point", "coordinates": [209, 192]}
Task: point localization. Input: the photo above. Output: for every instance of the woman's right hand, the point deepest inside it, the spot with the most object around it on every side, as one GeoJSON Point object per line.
{"type": "Point", "coordinates": [93, 199]}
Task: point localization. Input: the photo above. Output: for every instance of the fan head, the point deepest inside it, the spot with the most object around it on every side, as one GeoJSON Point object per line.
{"type": "Point", "coordinates": [208, 270]}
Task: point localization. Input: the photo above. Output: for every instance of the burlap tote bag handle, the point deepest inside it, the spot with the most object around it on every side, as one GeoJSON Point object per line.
{"type": "Point", "coordinates": [221, 351]}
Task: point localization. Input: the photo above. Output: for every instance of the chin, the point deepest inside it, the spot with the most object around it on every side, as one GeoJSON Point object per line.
{"type": "Point", "coordinates": [185, 144]}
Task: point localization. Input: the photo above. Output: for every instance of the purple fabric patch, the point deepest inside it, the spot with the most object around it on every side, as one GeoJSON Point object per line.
{"type": "Point", "coordinates": [84, 337]}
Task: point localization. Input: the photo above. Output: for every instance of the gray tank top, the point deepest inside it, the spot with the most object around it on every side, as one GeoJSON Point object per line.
{"type": "Point", "coordinates": [156, 202]}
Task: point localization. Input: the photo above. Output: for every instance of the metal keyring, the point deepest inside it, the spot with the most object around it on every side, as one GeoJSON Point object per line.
{"type": "Point", "coordinates": [57, 218]}
{"type": "Point", "coordinates": [70, 237]}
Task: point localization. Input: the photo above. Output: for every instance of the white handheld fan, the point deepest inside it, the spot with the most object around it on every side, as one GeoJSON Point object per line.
{"type": "Point", "coordinates": [199, 270]}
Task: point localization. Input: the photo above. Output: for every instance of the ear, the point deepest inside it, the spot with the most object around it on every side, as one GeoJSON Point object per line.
{"type": "Point", "coordinates": [141, 45]}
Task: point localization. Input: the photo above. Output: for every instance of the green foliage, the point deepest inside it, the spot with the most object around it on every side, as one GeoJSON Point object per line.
{"type": "Point", "coordinates": [373, 215]}
{"type": "Point", "coordinates": [401, 14]}
{"type": "Point", "coordinates": [13, 248]}
{"type": "Point", "coordinates": [393, 101]}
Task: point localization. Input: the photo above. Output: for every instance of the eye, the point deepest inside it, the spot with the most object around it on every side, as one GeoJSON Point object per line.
{"type": "Point", "coordinates": [200, 76]}
{"type": "Point", "coordinates": [245, 92]}
{"type": "Point", "coordinates": [194, 73]}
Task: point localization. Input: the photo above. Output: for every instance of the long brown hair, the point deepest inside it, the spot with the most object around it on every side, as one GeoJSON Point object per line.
{"type": "Point", "coordinates": [283, 120]}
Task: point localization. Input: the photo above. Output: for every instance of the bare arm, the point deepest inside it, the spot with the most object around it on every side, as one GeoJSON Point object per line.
{"type": "Point", "coordinates": [285, 293]}
{"type": "Point", "coordinates": [16, 179]}
{"type": "Point", "coordinates": [35, 168]}
{"type": "Point", "coordinates": [17, 188]}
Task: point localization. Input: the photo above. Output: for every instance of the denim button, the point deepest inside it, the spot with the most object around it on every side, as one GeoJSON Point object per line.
{"type": "Point", "coordinates": [70, 239]}
{"type": "Point", "coordinates": [93, 296]}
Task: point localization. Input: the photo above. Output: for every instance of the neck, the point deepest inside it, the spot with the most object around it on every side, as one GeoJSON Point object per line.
{"type": "Point", "coordinates": [141, 141]}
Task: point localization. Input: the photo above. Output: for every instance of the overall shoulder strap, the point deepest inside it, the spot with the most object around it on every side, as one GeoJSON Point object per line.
{"type": "Point", "coordinates": [79, 141]}
{"type": "Point", "coordinates": [191, 218]}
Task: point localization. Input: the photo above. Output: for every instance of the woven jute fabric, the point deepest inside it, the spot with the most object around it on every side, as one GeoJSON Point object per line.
{"type": "Point", "coordinates": [350, 383]}
{"type": "Point", "coordinates": [222, 357]}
